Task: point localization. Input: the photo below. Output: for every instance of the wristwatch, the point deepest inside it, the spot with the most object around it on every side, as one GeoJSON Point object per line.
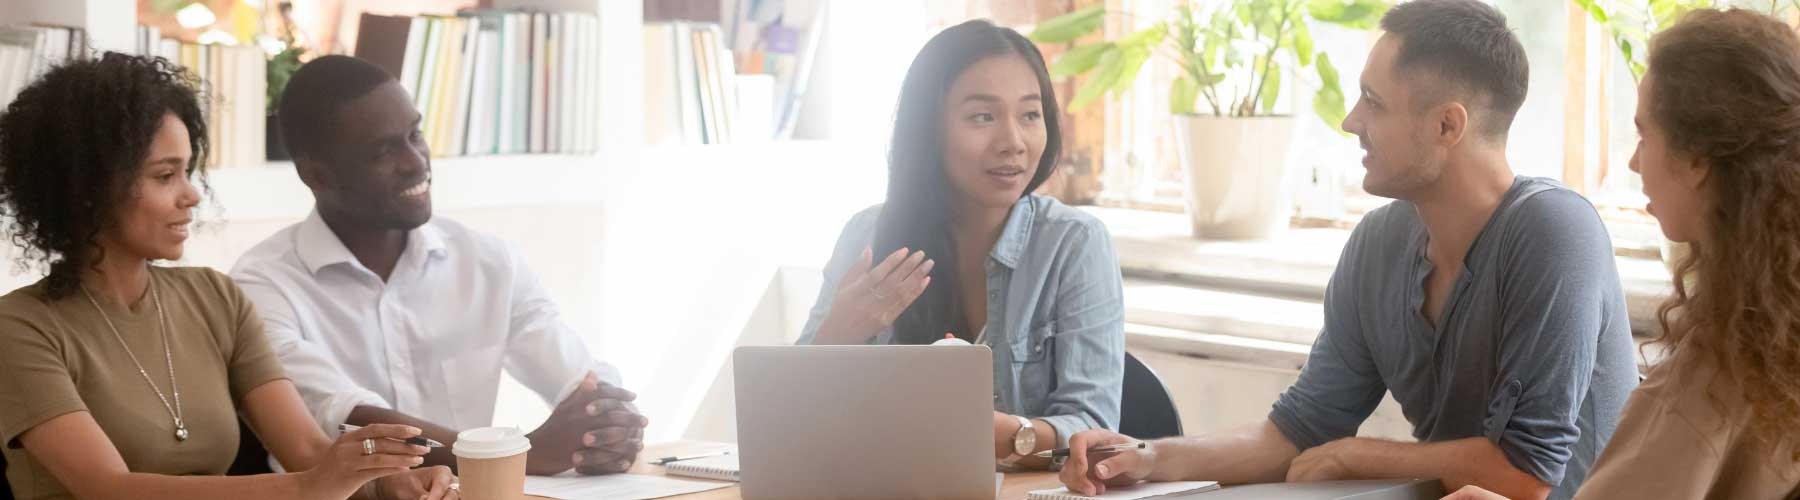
{"type": "Point", "coordinates": [1024, 442]}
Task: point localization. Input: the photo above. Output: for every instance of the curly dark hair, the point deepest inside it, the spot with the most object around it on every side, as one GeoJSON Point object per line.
{"type": "Point", "coordinates": [70, 146]}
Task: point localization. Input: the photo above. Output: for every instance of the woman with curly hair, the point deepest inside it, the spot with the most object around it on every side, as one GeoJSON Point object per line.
{"type": "Point", "coordinates": [126, 380]}
{"type": "Point", "coordinates": [1719, 120]}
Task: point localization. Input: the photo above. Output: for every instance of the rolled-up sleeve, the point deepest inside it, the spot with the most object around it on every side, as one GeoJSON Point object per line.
{"type": "Point", "coordinates": [1554, 310]}
{"type": "Point", "coordinates": [857, 234]}
{"type": "Point", "coordinates": [1339, 386]}
{"type": "Point", "coordinates": [543, 352]}
{"type": "Point", "coordinates": [1090, 337]}
{"type": "Point", "coordinates": [327, 392]}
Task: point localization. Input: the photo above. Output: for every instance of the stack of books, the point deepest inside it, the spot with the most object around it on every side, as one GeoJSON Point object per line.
{"type": "Point", "coordinates": [234, 89]}
{"type": "Point", "coordinates": [27, 52]}
{"type": "Point", "coordinates": [690, 84]}
{"type": "Point", "coordinates": [495, 81]}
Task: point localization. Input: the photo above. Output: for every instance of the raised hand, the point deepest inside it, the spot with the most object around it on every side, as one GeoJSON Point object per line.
{"type": "Point", "coordinates": [870, 297]}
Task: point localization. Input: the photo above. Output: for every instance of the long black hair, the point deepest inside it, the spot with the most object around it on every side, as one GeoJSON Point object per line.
{"type": "Point", "coordinates": [920, 198]}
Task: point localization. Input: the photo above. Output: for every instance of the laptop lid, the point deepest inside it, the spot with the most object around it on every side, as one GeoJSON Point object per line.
{"type": "Point", "coordinates": [865, 422]}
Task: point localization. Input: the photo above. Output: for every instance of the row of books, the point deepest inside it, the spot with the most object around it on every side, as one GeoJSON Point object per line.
{"type": "Point", "coordinates": [690, 84]}
{"type": "Point", "coordinates": [234, 90]}
{"type": "Point", "coordinates": [26, 52]}
{"type": "Point", "coordinates": [495, 81]}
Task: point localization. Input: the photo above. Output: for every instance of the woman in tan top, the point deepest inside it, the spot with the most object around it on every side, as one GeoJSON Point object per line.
{"type": "Point", "coordinates": [1719, 118]}
{"type": "Point", "coordinates": [121, 380]}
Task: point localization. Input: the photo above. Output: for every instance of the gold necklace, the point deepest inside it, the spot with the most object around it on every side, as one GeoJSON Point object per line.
{"type": "Point", "coordinates": [181, 432]}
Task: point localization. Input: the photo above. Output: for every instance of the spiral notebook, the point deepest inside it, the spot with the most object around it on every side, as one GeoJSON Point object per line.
{"type": "Point", "coordinates": [722, 467]}
{"type": "Point", "coordinates": [1133, 492]}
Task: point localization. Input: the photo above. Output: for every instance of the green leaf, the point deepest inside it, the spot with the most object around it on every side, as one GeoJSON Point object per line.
{"type": "Point", "coordinates": [1146, 38]}
{"type": "Point", "coordinates": [1068, 27]}
{"type": "Point", "coordinates": [1302, 44]}
{"type": "Point", "coordinates": [1328, 73]}
{"type": "Point", "coordinates": [1183, 95]}
{"type": "Point", "coordinates": [168, 6]}
{"type": "Point", "coordinates": [1134, 61]}
{"type": "Point", "coordinates": [1111, 65]}
{"type": "Point", "coordinates": [1329, 102]}
{"type": "Point", "coordinates": [1271, 88]}
{"type": "Point", "coordinates": [1079, 59]}
{"type": "Point", "coordinates": [1594, 11]}
{"type": "Point", "coordinates": [1357, 14]}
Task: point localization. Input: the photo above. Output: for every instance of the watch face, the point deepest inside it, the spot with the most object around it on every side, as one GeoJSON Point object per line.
{"type": "Point", "coordinates": [1025, 441]}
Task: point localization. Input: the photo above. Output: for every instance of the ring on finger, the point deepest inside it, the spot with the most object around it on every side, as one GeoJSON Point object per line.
{"type": "Point", "coordinates": [457, 487]}
{"type": "Point", "coordinates": [368, 446]}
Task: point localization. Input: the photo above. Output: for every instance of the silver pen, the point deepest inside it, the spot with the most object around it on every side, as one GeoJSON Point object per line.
{"type": "Point", "coordinates": [415, 440]}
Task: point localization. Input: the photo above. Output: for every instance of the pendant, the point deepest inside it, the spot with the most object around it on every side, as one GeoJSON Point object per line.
{"type": "Point", "coordinates": [181, 433]}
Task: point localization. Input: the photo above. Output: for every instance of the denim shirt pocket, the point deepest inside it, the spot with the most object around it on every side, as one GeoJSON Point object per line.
{"type": "Point", "coordinates": [1033, 366]}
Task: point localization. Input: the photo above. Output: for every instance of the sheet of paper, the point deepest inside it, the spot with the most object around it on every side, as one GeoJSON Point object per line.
{"type": "Point", "coordinates": [1134, 492]}
{"type": "Point", "coordinates": [569, 486]}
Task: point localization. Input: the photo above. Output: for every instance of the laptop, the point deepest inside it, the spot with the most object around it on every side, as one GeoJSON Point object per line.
{"type": "Point", "coordinates": [865, 422]}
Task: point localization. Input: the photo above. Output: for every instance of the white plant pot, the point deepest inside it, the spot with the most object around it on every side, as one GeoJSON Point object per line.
{"type": "Point", "coordinates": [1236, 174]}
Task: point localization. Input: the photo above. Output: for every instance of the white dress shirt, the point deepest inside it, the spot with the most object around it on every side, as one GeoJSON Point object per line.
{"type": "Point", "coordinates": [431, 342]}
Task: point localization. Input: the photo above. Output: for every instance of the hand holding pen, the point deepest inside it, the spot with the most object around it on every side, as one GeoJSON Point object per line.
{"type": "Point", "coordinates": [1100, 458]}
{"type": "Point", "coordinates": [415, 440]}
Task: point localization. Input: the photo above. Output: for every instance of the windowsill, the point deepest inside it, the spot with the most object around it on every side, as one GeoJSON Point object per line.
{"type": "Point", "coordinates": [1257, 300]}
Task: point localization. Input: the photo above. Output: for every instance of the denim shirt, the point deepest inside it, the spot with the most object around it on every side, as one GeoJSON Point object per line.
{"type": "Point", "coordinates": [1055, 315]}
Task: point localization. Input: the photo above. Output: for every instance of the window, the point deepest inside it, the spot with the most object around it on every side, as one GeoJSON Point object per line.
{"type": "Point", "coordinates": [1575, 124]}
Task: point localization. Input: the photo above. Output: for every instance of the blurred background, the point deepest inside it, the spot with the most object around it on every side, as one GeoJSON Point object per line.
{"type": "Point", "coordinates": [681, 173]}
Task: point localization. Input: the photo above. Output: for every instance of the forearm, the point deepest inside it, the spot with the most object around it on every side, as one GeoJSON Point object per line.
{"type": "Point", "coordinates": [1006, 426]}
{"type": "Point", "coordinates": [1256, 453]}
{"type": "Point", "coordinates": [1471, 461]}
{"type": "Point", "coordinates": [143, 486]}
{"type": "Point", "coordinates": [365, 415]}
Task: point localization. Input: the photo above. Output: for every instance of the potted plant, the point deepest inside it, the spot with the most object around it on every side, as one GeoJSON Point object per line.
{"type": "Point", "coordinates": [281, 67]}
{"type": "Point", "coordinates": [284, 59]}
{"type": "Point", "coordinates": [1233, 57]}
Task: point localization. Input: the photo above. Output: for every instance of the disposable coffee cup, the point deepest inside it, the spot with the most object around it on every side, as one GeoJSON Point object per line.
{"type": "Point", "coordinates": [490, 463]}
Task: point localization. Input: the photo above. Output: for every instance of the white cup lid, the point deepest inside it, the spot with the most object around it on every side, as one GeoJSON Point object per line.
{"type": "Point", "coordinates": [490, 442]}
{"type": "Point", "coordinates": [951, 341]}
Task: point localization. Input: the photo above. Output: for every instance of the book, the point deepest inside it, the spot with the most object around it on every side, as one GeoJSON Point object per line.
{"type": "Point", "coordinates": [382, 41]}
{"type": "Point", "coordinates": [415, 56]}
{"type": "Point", "coordinates": [662, 96]}
{"type": "Point", "coordinates": [464, 97]}
{"type": "Point", "coordinates": [721, 467]}
{"type": "Point", "coordinates": [1133, 492]}
{"type": "Point", "coordinates": [706, 11]}
{"type": "Point", "coordinates": [485, 104]}
{"type": "Point", "coordinates": [704, 67]}
{"type": "Point", "coordinates": [518, 112]}
{"type": "Point", "coordinates": [688, 85]}
{"type": "Point", "coordinates": [540, 26]}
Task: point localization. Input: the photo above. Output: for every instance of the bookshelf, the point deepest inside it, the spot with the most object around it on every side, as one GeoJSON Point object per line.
{"type": "Point", "coordinates": [111, 24]}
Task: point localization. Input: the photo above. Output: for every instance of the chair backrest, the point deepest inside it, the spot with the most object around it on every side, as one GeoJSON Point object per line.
{"type": "Point", "coordinates": [5, 487]}
{"type": "Point", "coordinates": [252, 458]}
{"type": "Point", "coordinates": [1146, 410]}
